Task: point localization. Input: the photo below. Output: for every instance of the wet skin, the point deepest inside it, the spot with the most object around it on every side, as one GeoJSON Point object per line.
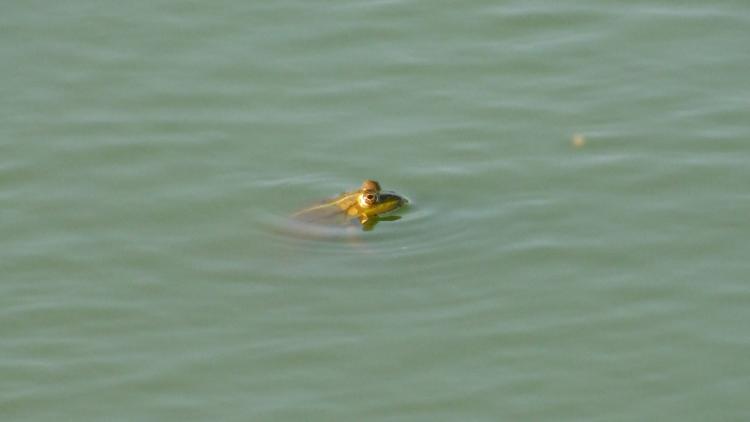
{"type": "Point", "coordinates": [365, 204]}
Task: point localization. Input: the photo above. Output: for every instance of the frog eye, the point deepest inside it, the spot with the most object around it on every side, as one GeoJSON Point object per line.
{"type": "Point", "coordinates": [368, 198]}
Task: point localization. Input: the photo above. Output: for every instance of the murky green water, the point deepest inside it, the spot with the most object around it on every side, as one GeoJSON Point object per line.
{"type": "Point", "coordinates": [151, 151]}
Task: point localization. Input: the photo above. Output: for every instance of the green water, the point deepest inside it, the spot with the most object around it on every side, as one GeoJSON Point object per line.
{"type": "Point", "coordinates": [151, 151]}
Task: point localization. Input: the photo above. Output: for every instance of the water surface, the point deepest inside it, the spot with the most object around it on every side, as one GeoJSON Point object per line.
{"type": "Point", "coordinates": [152, 151]}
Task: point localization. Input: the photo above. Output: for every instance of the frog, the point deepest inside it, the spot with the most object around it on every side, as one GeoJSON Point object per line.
{"type": "Point", "coordinates": [365, 205]}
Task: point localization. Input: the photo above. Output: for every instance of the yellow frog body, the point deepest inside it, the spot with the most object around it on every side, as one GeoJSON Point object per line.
{"type": "Point", "coordinates": [364, 204]}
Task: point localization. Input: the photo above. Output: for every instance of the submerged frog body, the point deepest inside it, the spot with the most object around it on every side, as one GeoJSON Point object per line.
{"type": "Point", "coordinates": [365, 205]}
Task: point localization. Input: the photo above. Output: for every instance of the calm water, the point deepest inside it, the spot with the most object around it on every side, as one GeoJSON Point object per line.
{"type": "Point", "coordinates": [151, 151]}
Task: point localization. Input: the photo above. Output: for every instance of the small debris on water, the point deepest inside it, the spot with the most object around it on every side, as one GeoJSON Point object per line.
{"type": "Point", "coordinates": [578, 141]}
